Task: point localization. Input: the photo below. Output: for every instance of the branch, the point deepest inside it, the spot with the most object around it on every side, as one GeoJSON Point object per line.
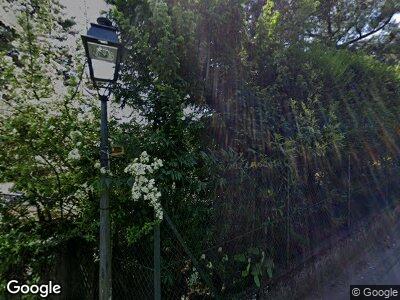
{"type": "Point", "coordinates": [12, 106]}
{"type": "Point", "coordinates": [362, 36]}
{"type": "Point", "coordinates": [78, 84]}
{"type": "Point", "coordinates": [58, 182]}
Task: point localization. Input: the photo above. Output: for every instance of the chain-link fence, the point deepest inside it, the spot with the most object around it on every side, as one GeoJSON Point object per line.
{"type": "Point", "coordinates": [251, 245]}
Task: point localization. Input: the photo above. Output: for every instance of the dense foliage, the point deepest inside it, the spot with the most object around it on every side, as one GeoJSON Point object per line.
{"type": "Point", "coordinates": [244, 115]}
{"type": "Point", "coordinates": [49, 147]}
{"type": "Point", "coordinates": [298, 94]}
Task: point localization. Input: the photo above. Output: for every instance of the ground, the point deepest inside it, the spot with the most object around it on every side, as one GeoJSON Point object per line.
{"type": "Point", "coordinates": [376, 264]}
{"type": "Point", "coordinates": [369, 255]}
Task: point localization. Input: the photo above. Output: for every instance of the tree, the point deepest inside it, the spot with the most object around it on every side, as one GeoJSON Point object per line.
{"type": "Point", "coordinates": [341, 24]}
{"type": "Point", "coordinates": [245, 116]}
{"type": "Point", "coordinates": [49, 148]}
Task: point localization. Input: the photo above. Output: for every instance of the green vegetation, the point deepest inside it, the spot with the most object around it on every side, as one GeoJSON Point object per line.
{"type": "Point", "coordinates": [257, 111]}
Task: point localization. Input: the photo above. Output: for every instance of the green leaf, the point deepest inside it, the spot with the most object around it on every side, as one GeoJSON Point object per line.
{"type": "Point", "coordinates": [269, 271]}
{"type": "Point", "coordinates": [240, 257]}
{"type": "Point", "coordinates": [254, 251]}
{"type": "Point", "coordinates": [245, 273]}
{"type": "Point", "coordinates": [256, 270]}
{"type": "Point", "coordinates": [257, 281]}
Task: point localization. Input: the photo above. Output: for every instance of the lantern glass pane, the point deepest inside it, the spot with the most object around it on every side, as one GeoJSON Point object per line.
{"type": "Point", "coordinates": [103, 69]}
{"type": "Point", "coordinates": [102, 52]}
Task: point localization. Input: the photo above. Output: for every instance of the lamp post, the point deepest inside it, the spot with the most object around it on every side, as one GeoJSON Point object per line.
{"type": "Point", "coordinates": [103, 52]}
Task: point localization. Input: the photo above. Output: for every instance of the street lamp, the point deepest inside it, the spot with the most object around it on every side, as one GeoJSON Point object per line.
{"type": "Point", "coordinates": [103, 52]}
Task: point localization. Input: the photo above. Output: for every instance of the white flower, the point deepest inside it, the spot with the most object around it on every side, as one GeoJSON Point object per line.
{"type": "Point", "coordinates": [74, 155]}
{"type": "Point", "coordinates": [96, 257]}
{"type": "Point", "coordinates": [75, 134]}
{"type": "Point", "coordinates": [145, 187]}
{"type": "Point", "coordinates": [79, 194]}
{"type": "Point", "coordinates": [87, 188]}
{"type": "Point", "coordinates": [144, 157]}
{"type": "Point", "coordinates": [144, 95]}
{"type": "Point", "coordinates": [97, 165]}
{"type": "Point", "coordinates": [86, 116]}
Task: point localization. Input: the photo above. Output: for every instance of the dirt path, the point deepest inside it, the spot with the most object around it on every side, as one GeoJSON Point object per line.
{"type": "Point", "coordinates": [380, 264]}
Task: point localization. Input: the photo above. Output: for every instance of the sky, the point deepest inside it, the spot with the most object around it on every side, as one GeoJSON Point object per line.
{"type": "Point", "coordinates": [84, 11]}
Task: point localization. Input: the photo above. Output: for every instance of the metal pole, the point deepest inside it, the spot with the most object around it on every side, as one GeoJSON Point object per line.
{"type": "Point", "coordinates": [157, 263]}
{"type": "Point", "coordinates": [196, 264]}
{"type": "Point", "coordinates": [349, 193]}
{"type": "Point", "coordinates": [105, 288]}
{"type": "Point", "coordinates": [287, 206]}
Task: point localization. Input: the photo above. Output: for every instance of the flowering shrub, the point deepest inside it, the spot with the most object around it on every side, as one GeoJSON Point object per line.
{"type": "Point", "coordinates": [74, 154]}
{"type": "Point", "coordinates": [144, 186]}
{"type": "Point", "coordinates": [49, 146]}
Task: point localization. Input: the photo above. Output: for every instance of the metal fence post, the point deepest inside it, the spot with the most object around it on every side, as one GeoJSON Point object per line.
{"type": "Point", "coordinates": [349, 193]}
{"type": "Point", "coordinates": [157, 263]}
{"type": "Point", "coordinates": [287, 207]}
{"type": "Point", "coordinates": [196, 264]}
